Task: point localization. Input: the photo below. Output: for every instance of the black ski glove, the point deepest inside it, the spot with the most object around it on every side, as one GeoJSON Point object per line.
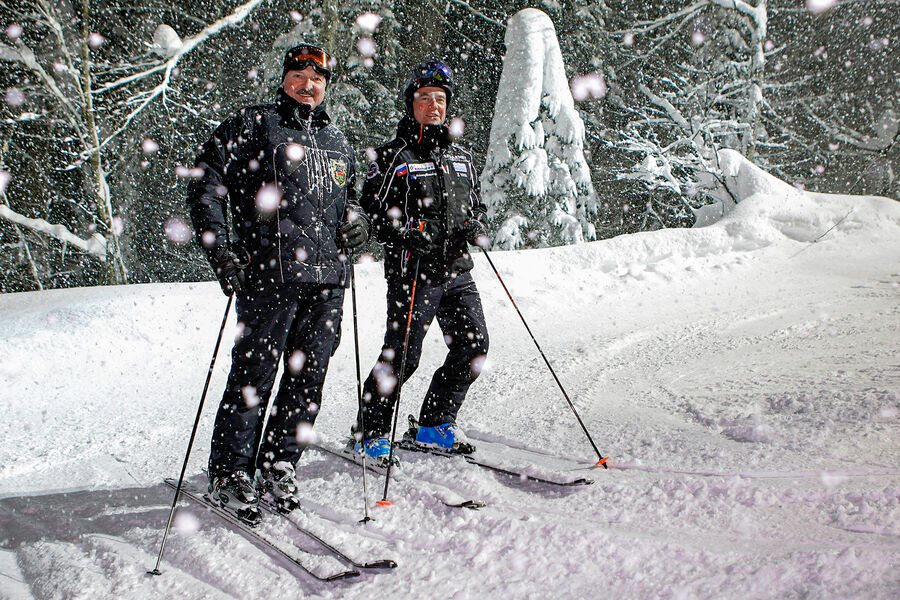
{"type": "Point", "coordinates": [229, 270]}
{"type": "Point", "coordinates": [417, 242]}
{"type": "Point", "coordinates": [354, 232]}
{"type": "Point", "coordinates": [476, 233]}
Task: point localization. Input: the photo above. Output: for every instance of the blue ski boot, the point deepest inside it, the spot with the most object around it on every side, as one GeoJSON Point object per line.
{"type": "Point", "coordinates": [378, 449]}
{"type": "Point", "coordinates": [447, 437]}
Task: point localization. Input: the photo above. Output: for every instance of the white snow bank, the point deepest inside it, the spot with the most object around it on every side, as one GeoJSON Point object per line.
{"type": "Point", "coordinates": [781, 202]}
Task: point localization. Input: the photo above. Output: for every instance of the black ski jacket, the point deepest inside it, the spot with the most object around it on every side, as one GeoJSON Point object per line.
{"type": "Point", "coordinates": [422, 176]}
{"type": "Point", "coordinates": [288, 176]}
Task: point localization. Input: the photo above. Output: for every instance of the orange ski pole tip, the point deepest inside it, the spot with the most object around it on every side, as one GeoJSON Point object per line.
{"type": "Point", "coordinates": [602, 461]}
{"type": "Point", "coordinates": [384, 503]}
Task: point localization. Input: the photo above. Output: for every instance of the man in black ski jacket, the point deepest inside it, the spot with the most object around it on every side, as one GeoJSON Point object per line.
{"type": "Point", "coordinates": [285, 174]}
{"type": "Point", "coordinates": [423, 198]}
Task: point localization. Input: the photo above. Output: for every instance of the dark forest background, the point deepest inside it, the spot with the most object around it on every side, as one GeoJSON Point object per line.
{"type": "Point", "coordinates": [100, 124]}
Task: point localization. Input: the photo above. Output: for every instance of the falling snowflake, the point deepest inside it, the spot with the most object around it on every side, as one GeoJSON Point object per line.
{"type": "Point", "coordinates": [15, 97]}
{"type": "Point", "coordinates": [371, 154]}
{"type": "Point", "coordinates": [14, 31]}
{"type": "Point", "coordinates": [697, 38]}
{"type": "Point", "coordinates": [587, 86]}
{"type": "Point", "coordinates": [628, 39]}
{"type": "Point", "coordinates": [177, 230]}
{"type": "Point", "coordinates": [118, 225]}
{"type": "Point", "coordinates": [95, 40]}
{"type": "Point", "coordinates": [295, 152]}
{"type": "Point", "coordinates": [251, 399]}
{"type": "Point", "coordinates": [189, 173]}
{"type": "Point", "coordinates": [186, 523]}
{"type": "Point", "coordinates": [830, 480]}
{"type": "Point", "coordinates": [457, 127]}
{"type": "Point", "coordinates": [478, 364]}
{"type": "Point", "coordinates": [149, 146]}
{"type": "Point", "coordinates": [268, 198]}
{"type": "Point", "coordinates": [5, 178]}
{"type": "Point", "coordinates": [366, 46]}
{"type": "Point", "coordinates": [296, 361]}
{"type": "Point", "coordinates": [208, 239]}
{"type": "Point", "coordinates": [819, 6]}
{"type": "Point", "coordinates": [368, 21]}
{"type": "Point", "coordinates": [305, 434]}
{"type": "Point", "coordinates": [296, 16]}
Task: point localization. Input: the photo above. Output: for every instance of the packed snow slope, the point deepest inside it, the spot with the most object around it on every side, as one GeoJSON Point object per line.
{"type": "Point", "coordinates": [743, 377]}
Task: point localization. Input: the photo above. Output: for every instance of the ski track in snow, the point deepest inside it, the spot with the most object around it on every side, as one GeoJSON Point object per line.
{"type": "Point", "coordinates": [747, 394]}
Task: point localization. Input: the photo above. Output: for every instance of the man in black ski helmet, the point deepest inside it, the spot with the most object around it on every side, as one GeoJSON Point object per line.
{"type": "Point", "coordinates": [285, 175]}
{"type": "Point", "coordinates": [423, 198]}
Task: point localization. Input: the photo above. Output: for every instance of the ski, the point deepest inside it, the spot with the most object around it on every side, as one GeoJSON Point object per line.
{"type": "Point", "coordinates": [272, 509]}
{"type": "Point", "coordinates": [504, 459]}
{"type": "Point", "coordinates": [351, 457]}
{"type": "Point", "coordinates": [480, 460]}
{"type": "Point", "coordinates": [201, 499]}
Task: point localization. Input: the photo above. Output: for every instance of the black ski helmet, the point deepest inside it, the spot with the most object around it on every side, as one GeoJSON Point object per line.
{"type": "Point", "coordinates": [431, 73]}
{"type": "Point", "coordinates": [306, 55]}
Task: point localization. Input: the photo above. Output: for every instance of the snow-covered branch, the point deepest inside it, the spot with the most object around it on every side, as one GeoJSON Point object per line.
{"type": "Point", "coordinates": [886, 131]}
{"type": "Point", "coordinates": [96, 245]}
{"type": "Point", "coordinates": [189, 45]}
{"type": "Point", "coordinates": [478, 13]}
{"type": "Point", "coordinates": [23, 55]}
{"type": "Point", "coordinates": [667, 106]}
{"type": "Point", "coordinates": [648, 26]}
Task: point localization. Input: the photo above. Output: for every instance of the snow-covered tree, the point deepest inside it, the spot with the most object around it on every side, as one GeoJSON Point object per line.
{"type": "Point", "coordinates": [536, 181]}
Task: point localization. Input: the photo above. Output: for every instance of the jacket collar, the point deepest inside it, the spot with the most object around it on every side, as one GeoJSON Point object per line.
{"type": "Point", "coordinates": [299, 114]}
{"type": "Point", "coordinates": [426, 137]}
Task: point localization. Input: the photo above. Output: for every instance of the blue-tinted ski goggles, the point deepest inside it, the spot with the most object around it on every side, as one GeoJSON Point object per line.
{"type": "Point", "coordinates": [433, 71]}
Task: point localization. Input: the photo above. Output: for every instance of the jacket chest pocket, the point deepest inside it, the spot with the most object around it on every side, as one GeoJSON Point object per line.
{"type": "Point", "coordinates": [310, 174]}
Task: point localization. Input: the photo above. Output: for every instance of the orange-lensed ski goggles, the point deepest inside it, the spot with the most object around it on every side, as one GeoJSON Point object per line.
{"type": "Point", "coordinates": [305, 55]}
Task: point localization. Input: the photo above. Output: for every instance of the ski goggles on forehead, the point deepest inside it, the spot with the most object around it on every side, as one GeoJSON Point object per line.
{"type": "Point", "coordinates": [305, 55]}
{"type": "Point", "coordinates": [434, 72]}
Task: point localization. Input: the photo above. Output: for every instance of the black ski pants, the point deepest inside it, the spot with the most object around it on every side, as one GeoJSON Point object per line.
{"type": "Point", "coordinates": [301, 323]}
{"type": "Point", "coordinates": [457, 306]}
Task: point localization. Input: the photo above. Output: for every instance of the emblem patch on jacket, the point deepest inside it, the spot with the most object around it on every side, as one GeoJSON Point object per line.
{"type": "Point", "coordinates": [339, 172]}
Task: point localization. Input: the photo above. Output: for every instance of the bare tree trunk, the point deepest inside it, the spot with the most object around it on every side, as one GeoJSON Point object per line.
{"type": "Point", "coordinates": [758, 32]}
{"type": "Point", "coordinates": [117, 273]}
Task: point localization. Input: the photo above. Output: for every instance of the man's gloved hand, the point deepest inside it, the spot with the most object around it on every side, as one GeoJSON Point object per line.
{"type": "Point", "coordinates": [354, 232]}
{"type": "Point", "coordinates": [229, 271]}
{"type": "Point", "coordinates": [476, 233]}
{"type": "Point", "coordinates": [418, 242]}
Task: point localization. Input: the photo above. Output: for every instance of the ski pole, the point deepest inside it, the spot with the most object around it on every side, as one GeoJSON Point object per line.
{"type": "Point", "coordinates": [359, 396]}
{"type": "Point", "coordinates": [412, 301]}
{"type": "Point", "coordinates": [187, 454]}
{"type": "Point", "coordinates": [602, 460]}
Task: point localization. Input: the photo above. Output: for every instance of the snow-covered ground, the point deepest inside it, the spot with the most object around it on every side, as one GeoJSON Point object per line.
{"type": "Point", "coordinates": [743, 377]}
